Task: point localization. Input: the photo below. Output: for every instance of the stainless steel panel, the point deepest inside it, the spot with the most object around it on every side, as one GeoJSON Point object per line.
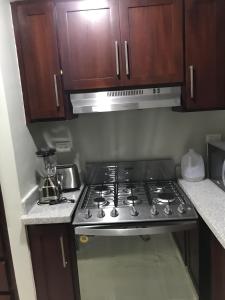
{"type": "Point", "coordinates": [135, 231]}
{"type": "Point", "coordinates": [126, 100]}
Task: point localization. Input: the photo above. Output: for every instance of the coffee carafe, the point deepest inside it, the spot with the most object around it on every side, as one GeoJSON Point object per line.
{"type": "Point", "coordinates": [49, 187]}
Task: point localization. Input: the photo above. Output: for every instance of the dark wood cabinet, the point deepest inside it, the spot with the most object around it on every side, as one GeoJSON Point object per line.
{"type": "Point", "coordinates": [5, 297]}
{"type": "Point", "coordinates": [8, 289]}
{"type": "Point", "coordinates": [1, 247]}
{"type": "Point", "coordinates": [193, 255]}
{"type": "Point", "coordinates": [152, 41]}
{"type": "Point", "coordinates": [204, 54]}
{"type": "Point", "coordinates": [4, 284]}
{"type": "Point", "coordinates": [217, 270]}
{"type": "Point", "coordinates": [52, 261]}
{"type": "Point", "coordinates": [86, 45]}
{"type": "Point", "coordinates": [89, 41]}
{"type": "Point", "coordinates": [112, 43]}
{"type": "Point", "coordinates": [36, 38]}
{"type": "Point", "coordinates": [181, 241]}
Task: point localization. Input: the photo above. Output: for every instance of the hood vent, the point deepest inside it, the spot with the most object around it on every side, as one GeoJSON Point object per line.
{"type": "Point", "coordinates": [126, 100]}
{"type": "Point", "coordinates": [125, 93]}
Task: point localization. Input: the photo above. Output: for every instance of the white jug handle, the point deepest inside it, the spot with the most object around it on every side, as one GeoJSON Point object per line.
{"type": "Point", "coordinates": [223, 173]}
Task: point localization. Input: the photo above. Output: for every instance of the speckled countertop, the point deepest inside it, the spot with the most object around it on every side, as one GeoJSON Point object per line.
{"type": "Point", "coordinates": [50, 214]}
{"type": "Point", "coordinates": [209, 201]}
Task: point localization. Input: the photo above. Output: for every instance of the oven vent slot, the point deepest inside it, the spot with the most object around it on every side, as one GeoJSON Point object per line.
{"type": "Point", "coordinates": [125, 93]}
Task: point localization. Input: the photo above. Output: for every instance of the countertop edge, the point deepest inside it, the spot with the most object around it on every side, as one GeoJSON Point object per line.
{"type": "Point", "coordinates": [36, 217]}
{"type": "Point", "coordinates": [202, 213]}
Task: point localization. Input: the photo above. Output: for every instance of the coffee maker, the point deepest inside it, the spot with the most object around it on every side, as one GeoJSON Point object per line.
{"type": "Point", "coordinates": [49, 186]}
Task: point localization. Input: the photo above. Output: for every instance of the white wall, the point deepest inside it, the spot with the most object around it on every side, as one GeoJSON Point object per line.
{"type": "Point", "coordinates": [17, 154]}
{"type": "Point", "coordinates": [131, 135]}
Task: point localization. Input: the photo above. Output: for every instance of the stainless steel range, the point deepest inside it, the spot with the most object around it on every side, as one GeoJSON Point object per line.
{"type": "Point", "coordinates": [133, 192]}
{"type": "Point", "coordinates": [124, 227]}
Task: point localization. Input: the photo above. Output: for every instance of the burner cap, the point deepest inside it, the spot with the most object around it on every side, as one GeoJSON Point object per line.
{"type": "Point", "coordinates": [164, 198]}
{"type": "Point", "coordinates": [100, 201]}
{"type": "Point", "coordinates": [104, 189]}
{"type": "Point", "coordinates": [131, 200]}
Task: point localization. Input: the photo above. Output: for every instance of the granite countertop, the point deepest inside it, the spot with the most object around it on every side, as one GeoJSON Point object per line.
{"type": "Point", "coordinates": [209, 201]}
{"type": "Point", "coordinates": [50, 214]}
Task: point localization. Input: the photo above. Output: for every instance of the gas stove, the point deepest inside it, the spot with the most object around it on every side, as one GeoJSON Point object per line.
{"type": "Point", "coordinates": [132, 192]}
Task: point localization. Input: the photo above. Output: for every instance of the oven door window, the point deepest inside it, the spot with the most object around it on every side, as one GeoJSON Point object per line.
{"type": "Point", "coordinates": [132, 268]}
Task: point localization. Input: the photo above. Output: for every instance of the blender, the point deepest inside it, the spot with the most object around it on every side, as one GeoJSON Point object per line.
{"type": "Point", "coordinates": [49, 187]}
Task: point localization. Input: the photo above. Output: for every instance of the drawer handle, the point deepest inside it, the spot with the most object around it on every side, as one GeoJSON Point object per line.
{"type": "Point", "coordinates": [64, 261]}
{"type": "Point", "coordinates": [191, 68]}
{"type": "Point", "coordinates": [56, 91]}
{"type": "Point", "coordinates": [126, 58]}
{"type": "Point", "coordinates": [117, 59]}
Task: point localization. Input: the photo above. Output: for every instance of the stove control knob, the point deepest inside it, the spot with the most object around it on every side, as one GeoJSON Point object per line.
{"type": "Point", "coordinates": [167, 210]}
{"type": "Point", "coordinates": [101, 213]}
{"type": "Point", "coordinates": [154, 210]}
{"type": "Point", "coordinates": [133, 211]}
{"type": "Point", "coordinates": [87, 214]}
{"type": "Point", "coordinates": [181, 209]}
{"type": "Point", "coordinates": [114, 213]}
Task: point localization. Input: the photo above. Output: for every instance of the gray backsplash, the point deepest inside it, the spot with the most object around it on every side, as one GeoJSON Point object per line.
{"type": "Point", "coordinates": [130, 135]}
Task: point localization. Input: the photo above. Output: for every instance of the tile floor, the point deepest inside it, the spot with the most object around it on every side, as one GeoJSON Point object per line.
{"type": "Point", "coordinates": [133, 269]}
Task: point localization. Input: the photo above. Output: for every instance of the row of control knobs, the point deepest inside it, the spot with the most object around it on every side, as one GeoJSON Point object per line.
{"type": "Point", "coordinates": [133, 211]}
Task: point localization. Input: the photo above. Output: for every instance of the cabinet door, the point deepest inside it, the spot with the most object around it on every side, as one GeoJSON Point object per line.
{"type": "Point", "coordinates": [205, 59]}
{"type": "Point", "coordinates": [4, 285]}
{"type": "Point", "coordinates": [51, 259]}
{"type": "Point", "coordinates": [89, 43]}
{"type": "Point", "coordinates": [193, 255]}
{"type": "Point", "coordinates": [5, 297]}
{"type": "Point", "coordinates": [39, 61]}
{"type": "Point", "coordinates": [218, 270]}
{"type": "Point", "coordinates": [152, 41]}
{"type": "Point", "coordinates": [1, 245]}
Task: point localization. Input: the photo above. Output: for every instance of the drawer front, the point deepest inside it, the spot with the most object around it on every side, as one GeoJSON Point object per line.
{"type": "Point", "coordinates": [4, 285]}
{"type": "Point", "coordinates": [5, 297]}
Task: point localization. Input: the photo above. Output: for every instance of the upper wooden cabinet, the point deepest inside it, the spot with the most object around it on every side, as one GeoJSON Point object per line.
{"type": "Point", "coordinates": [111, 43]}
{"type": "Point", "coordinates": [151, 41]}
{"type": "Point", "coordinates": [205, 54]}
{"type": "Point", "coordinates": [89, 43]}
{"type": "Point", "coordinates": [39, 61]}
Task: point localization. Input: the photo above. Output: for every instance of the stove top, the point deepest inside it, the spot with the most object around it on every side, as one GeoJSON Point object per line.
{"type": "Point", "coordinates": [128, 202]}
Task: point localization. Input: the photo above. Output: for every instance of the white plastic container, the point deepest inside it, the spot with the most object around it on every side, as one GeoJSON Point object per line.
{"type": "Point", "coordinates": [192, 166]}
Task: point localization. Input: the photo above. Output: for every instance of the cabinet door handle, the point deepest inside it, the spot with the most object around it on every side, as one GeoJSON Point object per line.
{"type": "Point", "coordinates": [191, 68]}
{"type": "Point", "coordinates": [117, 59]}
{"type": "Point", "coordinates": [64, 261]}
{"type": "Point", "coordinates": [56, 91]}
{"type": "Point", "coordinates": [126, 58]}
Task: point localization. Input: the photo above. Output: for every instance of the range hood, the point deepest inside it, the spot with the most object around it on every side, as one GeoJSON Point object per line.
{"type": "Point", "coordinates": [126, 100]}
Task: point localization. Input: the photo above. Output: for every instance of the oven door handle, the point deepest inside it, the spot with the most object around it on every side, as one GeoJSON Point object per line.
{"type": "Point", "coordinates": [135, 231]}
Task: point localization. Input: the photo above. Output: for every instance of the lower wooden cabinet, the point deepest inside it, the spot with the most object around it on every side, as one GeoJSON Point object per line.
{"type": "Point", "coordinates": [217, 270]}
{"type": "Point", "coordinates": [5, 297]}
{"type": "Point", "coordinates": [1, 247]}
{"type": "Point", "coordinates": [8, 289]}
{"type": "Point", "coordinates": [53, 262]}
{"type": "Point", "coordinates": [188, 244]}
{"type": "Point", "coordinates": [4, 284]}
{"type": "Point", "coordinates": [180, 239]}
{"type": "Point", "coordinates": [193, 255]}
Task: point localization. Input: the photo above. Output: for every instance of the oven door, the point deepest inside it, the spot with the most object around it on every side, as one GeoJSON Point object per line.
{"type": "Point", "coordinates": [132, 263]}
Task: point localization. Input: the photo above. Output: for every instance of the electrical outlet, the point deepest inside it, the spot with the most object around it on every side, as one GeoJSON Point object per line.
{"type": "Point", "coordinates": [213, 137]}
{"type": "Point", "coordinates": [63, 146]}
